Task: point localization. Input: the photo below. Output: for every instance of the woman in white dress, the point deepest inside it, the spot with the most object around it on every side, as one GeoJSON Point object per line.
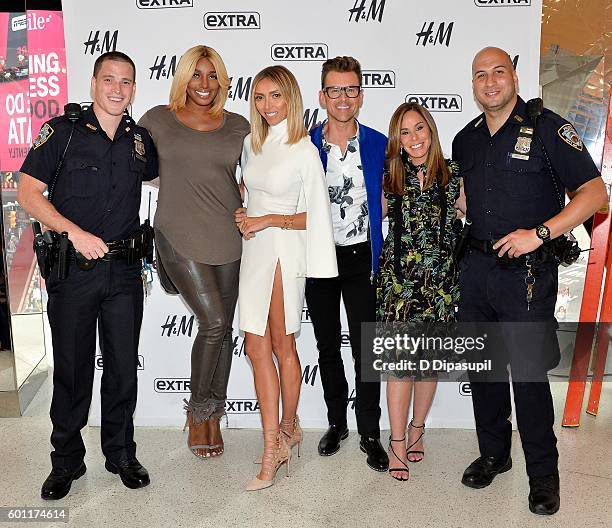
{"type": "Point", "coordinates": [287, 236]}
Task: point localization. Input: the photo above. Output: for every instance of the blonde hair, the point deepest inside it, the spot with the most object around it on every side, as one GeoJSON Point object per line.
{"type": "Point", "coordinates": [184, 73]}
{"type": "Point", "coordinates": [290, 91]}
{"type": "Point", "coordinates": [436, 165]}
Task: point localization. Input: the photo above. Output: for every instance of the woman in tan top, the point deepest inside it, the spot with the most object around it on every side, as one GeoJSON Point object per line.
{"type": "Point", "coordinates": [199, 146]}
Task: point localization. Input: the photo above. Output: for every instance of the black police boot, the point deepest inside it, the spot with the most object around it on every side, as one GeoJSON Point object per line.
{"type": "Point", "coordinates": [59, 481]}
{"type": "Point", "coordinates": [132, 474]}
{"type": "Point", "coordinates": [330, 441]}
{"type": "Point", "coordinates": [544, 494]}
{"type": "Point", "coordinates": [377, 459]}
{"type": "Point", "coordinates": [482, 471]}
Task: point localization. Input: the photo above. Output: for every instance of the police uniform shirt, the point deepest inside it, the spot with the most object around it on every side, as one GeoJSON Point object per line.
{"type": "Point", "coordinates": [99, 186]}
{"type": "Point", "coordinates": [507, 181]}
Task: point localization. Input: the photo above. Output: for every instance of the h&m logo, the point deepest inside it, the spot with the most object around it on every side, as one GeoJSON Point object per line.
{"type": "Point", "coordinates": [185, 326]}
{"type": "Point", "coordinates": [238, 346]}
{"type": "Point", "coordinates": [437, 102]}
{"type": "Point", "coordinates": [316, 51]}
{"type": "Point", "coordinates": [175, 385]}
{"type": "Point", "coordinates": [311, 119]}
{"type": "Point", "coordinates": [465, 389]}
{"type": "Point", "coordinates": [378, 78]}
{"type": "Point", "coordinates": [309, 374]}
{"type": "Point", "coordinates": [236, 20]}
{"type": "Point", "coordinates": [161, 69]}
{"type": "Point", "coordinates": [442, 34]}
{"type": "Point", "coordinates": [362, 11]}
{"type": "Point", "coordinates": [100, 362]}
{"type": "Point", "coordinates": [502, 3]}
{"type": "Point", "coordinates": [239, 89]}
{"type": "Point", "coordinates": [163, 4]}
{"type": "Point", "coordinates": [241, 406]}
{"type": "Point", "coordinates": [108, 43]}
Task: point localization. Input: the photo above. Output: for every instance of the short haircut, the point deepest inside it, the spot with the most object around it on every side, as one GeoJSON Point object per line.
{"type": "Point", "coordinates": [114, 56]}
{"type": "Point", "coordinates": [340, 64]}
{"type": "Point", "coordinates": [184, 73]}
{"type": "Point", "coordinates": [290, 90]}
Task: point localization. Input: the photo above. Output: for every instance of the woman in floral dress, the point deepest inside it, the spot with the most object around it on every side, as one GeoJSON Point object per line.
{"type": "Point", "coordinates": [417, 279]}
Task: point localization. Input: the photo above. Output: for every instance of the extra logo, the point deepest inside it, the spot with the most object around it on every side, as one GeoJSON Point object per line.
{"type": "Point", "coordinates": [465, 388]}
{"type": "Point", "coordinates": [316, 51]}
{"type": "Point", "coordinates": [236, 20]}
{"type": "Point", "coordinates": [101, 44]}
{"type": "Point", "coordinates": [100, 362]}
{"type": "Point", "coordinates": [345, 340]}
{"type": "Point", "coordinates": [163, 4]}
{"type": "Point", "coordinates": [378, 79]}
{"type": "Point", "coordinates": [172, 385]}
{"type": "Point", "coordinates": [241, 406]}
{"type": "Point", "coordinates": [364, 10]}
{"type": "Point", "coordinates": [502, 3]}
{"type": "Point", "coordinates": [437, 102]}
{"type": "Point", "coordinates": [184, 327]}
{"type": "Point", "coordinates": [305, 313]}
{"type": "Point", "coordinates": [434, 35]}
{"type": "Point", "coordinates": [163, 68]}
{"type": "Point", "coordinates": [85, 105]}
{"type": "Point", "coordinates": [239, 88]}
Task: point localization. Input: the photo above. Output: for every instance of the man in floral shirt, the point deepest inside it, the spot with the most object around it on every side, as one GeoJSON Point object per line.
{"type": "Point", "coordinates": [353, 156]}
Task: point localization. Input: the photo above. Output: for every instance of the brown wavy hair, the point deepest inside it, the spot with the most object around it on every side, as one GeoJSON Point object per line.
{"type": "Point", "coordinates": [436, 164]}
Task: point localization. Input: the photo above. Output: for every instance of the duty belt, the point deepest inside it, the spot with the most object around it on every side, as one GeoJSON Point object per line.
{"type": "Point", "coordinates": [542, 254]}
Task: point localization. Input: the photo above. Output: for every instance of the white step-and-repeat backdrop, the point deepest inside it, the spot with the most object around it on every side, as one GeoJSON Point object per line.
{"type": "Point", "coordinates": [419, 51]}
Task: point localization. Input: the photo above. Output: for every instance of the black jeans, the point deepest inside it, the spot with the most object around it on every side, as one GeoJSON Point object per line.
{"type": "Point", "coordinates": [211, 292]}
{"type": "Point", "coordinates": [494, 292]}
{"type": "Point", "coordinates": [108, 297]}
{"type": "Point", "coordinates": [323, 299]}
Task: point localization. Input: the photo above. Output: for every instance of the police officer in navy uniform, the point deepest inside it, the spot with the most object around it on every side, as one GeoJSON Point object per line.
{"type": "Point", "coordinates": [96, 201]}
{"type": "Point", "coordinates": [509, 272]}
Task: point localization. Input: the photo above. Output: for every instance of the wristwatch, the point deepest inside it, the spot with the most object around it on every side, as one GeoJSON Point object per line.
{"type": "Point", "coordinates": [543, 233]}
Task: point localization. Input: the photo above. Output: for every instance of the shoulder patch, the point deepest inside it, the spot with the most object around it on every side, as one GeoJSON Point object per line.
{"type": "Point", "coordinates": [568, 134]}
{"type": "Point", "coordinates": [45, 133]}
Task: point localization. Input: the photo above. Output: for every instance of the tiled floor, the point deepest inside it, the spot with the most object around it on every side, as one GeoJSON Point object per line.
{"type": "Point", "coordinates": [320, 492]}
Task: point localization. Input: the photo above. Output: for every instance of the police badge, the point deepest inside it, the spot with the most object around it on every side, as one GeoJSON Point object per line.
{"type": "Point", "coordinates": [139, 147]}
{"type": "Point", "coordinates": [523, 145]}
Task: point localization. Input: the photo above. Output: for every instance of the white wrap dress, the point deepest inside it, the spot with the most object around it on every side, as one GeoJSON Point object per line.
{"type": "Point", "coordinates": [283, 179]}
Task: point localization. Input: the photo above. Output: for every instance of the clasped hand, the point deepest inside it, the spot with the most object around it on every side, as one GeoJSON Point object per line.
{"type": "Point", "coordinates": [249, 225]}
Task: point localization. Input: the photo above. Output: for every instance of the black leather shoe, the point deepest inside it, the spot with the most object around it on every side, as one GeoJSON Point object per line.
{"type": "Point", "coordinates": [330, 441]}
{"type": "Point", "coordinates": [132, 474]}
{"type": "Point", "coordinates": [544, 494]}
{"type": "Point", "coordinates": [377, 459]}
{"type": "Point", "coordinates": [59, 481]}
{"type": "Point", "coordinates": [482, 471]}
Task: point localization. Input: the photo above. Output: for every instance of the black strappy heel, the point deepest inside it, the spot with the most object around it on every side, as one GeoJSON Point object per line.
{"type": "Point", "coordinates": [402, 469]}
{"type": "Point", "coordinates": [408, 452]}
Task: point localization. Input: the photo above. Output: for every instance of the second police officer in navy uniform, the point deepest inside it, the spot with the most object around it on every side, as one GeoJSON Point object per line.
{"type": "Point", "coordinates": [96, 201]}
{"type": "Point", "coordinates": [509, 271]}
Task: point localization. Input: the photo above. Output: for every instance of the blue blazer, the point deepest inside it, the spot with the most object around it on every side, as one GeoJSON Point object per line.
{"type": "Point", "coordinates": [372, 146]}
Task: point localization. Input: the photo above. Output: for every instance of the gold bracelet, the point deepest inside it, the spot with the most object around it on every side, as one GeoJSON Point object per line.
{"type": "Point", "coordinates": [287, 222]}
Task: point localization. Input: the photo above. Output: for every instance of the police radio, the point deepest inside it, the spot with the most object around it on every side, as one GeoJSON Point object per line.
{"type": "Point", "coordinates": [44, 242]}
{"type": "Point", "coordinates": [565, 247]}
